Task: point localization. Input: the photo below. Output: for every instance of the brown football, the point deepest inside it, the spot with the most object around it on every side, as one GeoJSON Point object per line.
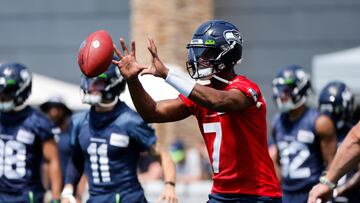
{"type": "Point", "coordinates": [95, 53]}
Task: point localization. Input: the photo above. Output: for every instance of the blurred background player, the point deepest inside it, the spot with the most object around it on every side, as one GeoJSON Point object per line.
{"type": "Point", "coordinates": [25, 139]}
{"type": "Point", "coordinates": [107, 141]}
{"type": "Point", "coordinates": [305, 139]}
{"type": "Point", "coordinates": [149, 168]}
{"type": "Point", "coordinates": [337, 101]}
{"type": "Point", "coordinates": [231, 111]}
{"type": "Point", "coordinates": [188, 162]}
{"type": "Point", "coordinates": [59, 113]}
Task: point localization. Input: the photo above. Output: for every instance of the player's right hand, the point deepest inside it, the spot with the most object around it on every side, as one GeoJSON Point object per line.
{"type": "Point", "coordinates": [127, 64]}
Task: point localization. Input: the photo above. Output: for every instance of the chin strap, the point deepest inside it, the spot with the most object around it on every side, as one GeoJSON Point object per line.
{"type": "Point", "coordinates": [108, 105]}
{"type": "Point", "coordinates": [221, 79]}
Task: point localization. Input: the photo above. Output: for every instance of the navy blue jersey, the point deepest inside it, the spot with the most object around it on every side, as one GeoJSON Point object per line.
{"type": "Point", "coordinates": [62, 140]}
{"type": "Point", "coordinates": [21, 138]}
{"type": "Point", "coordinates": [109, 144]}
{"type": "Point", "coordinates": [299, 150]}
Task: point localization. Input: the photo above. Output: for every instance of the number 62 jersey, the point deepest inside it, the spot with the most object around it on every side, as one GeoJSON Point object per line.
{"type": "Point", "coordinates": [299, 150]}
{"type": "Point", "coordinates": [21, 137]}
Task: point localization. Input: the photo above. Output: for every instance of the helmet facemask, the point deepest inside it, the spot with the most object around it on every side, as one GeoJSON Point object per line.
{"type": "Point", "coordinates": [337, 101]}
{"type": "Point", "coordinates": [289, 94]}
{"type": "Point", "coordinates": [15, 87]}
{"type": "Point", "coordinates": [285, 98]}
{"type": "Point", "coordinates": [204, 62]}
{"type": "Point", "coordinates": [102, 90]}
{"type": "Point", "coordinates": [216, 45]}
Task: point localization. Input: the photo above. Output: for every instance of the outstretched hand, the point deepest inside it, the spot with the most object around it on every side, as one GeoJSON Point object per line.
{"type": "Point", "coordinates": [127, 63]}
{"type": "Point", "coordinates": [157, 67]}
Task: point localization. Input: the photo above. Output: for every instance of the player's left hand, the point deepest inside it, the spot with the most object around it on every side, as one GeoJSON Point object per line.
{"type": "Point", "coordinates": [168, 195]}
{"type": "Point", "coordinates": [157, 68]}
{"type": "Point", "coordinates": [319, 193]}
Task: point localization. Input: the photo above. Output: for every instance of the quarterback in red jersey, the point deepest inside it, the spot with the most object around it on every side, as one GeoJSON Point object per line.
{"type": "Point", "coordinates": [231, 111]}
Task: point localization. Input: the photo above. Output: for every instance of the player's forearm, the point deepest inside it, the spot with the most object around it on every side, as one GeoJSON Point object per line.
{"type": "Point", "coordinates": [347, 157]}
{"type": "Point", "coordinates": [207, 97]}
{"type": "Point", "coordinates": [55, 178]}
{"type": "Point", "coordinates": [328, 150]}
{"type": "Point", "coordinates": [168, 167]}
{"type": "Point", "coordinates": [218, 100]}
{"type": "Point", "coordinates": [143, 102]}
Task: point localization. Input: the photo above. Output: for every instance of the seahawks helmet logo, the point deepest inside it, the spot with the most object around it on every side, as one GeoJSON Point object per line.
{"type": "Point", "coordinates": [232, 35]}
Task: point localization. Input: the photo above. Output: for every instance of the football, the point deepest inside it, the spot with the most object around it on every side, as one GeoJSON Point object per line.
{"type": "Point", "coordinates": [95, 53]}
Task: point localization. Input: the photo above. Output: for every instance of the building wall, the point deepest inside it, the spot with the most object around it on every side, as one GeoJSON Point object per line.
{"type": "Point", "coordinates": [280, 32]}
{"type": "Point", "coordinates": [45, 35]}
{"type": "Point", "coordinates": [171, 24]}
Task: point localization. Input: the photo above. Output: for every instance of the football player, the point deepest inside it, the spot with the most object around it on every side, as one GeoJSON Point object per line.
{"type": "Point", "coordinates": [231, 111]}
{"type": "Point", "coordinates": [337, 101]}
{"type": "Point", "coordinates": [58, 112]}
{"type": "Point", "coordinates": [305, 139]}
{"type": "Point", "coordinates": [107, 141]}
{"type": "Point", "coordinates": [25, 139]}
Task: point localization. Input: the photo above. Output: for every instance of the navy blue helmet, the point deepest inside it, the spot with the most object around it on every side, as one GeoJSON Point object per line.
{"type": "Point", "coordinates": [215, 45]}
{"type": "Point", "coordinates": [337, 101]}
{"type": "Point", "coordinates": [109, 84]}
{"type": "Point", "coordinates": [291, 87]}
{"type": "Point", "coordinates": [15, 85]}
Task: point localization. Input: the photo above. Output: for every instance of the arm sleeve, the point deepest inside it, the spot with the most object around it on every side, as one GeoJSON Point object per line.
{"type": "Point", "coordinates": [75, 167]}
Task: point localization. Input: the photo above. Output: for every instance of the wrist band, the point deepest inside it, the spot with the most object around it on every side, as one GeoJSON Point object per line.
{"type": "Point", "coordinates": [327, 182]}
{"type": "Point", "coordinates": [180, 83]}
{"type": "Point", "coordinates": [170, 183]}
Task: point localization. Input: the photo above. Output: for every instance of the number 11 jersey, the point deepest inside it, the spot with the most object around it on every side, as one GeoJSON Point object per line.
{"type": "Point", "coordinates": [237, 144]}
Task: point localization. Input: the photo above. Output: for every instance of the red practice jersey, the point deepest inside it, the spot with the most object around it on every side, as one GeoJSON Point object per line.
{"type": "Point", "coordinates": [237, 144]}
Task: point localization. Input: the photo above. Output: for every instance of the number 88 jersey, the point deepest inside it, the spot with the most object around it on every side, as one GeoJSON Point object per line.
{"type": "Point", "coordinates": [299, 150]}
{"type": "Point", "coordinates": [21, 137]}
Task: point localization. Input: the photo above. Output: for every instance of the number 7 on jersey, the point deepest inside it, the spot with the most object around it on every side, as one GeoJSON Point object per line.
{"type": "Point", "coordinates": [215, 128]}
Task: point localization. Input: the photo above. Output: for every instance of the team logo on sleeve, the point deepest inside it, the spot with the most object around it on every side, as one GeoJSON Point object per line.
{"type": "Point", "coordinates": [253, 94]}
